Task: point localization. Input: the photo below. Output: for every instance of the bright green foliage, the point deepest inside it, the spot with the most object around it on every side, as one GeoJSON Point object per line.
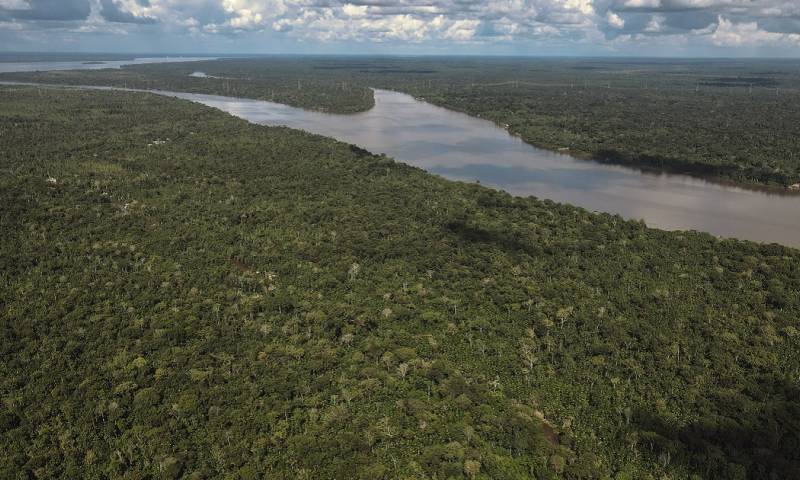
{"type": "Point", "coordinates": [250, 302]}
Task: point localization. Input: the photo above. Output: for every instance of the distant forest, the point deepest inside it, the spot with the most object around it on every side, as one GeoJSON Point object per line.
{"type": "Point", "coordinates": [734, 120]}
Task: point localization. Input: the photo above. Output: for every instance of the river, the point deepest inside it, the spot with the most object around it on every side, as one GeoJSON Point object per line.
{"type": "Point", "coordinates": [465, 148]}
{"type": "Point", "coordinates": [46, 66]}
{"type": "Point", "coordinates": [460, 147]}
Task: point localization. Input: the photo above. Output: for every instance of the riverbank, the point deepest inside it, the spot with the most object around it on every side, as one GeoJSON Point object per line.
{"type": "Point", "coordinates": [287, 303]}
{"type": "Point", "coordinates": [461, 147]}
{"type": "Point", "coordinates": [537, 130]}
{"type": "Point", "coordinates": [713, 174]}
{"type": "Point", "coordinates": [604, 113]}
{"type": "Point", "coordinates": [294, 87]}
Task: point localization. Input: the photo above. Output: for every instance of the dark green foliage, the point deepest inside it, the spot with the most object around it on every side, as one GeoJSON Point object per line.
{"type": "Point", "coordinates": [63, 57]}
{"type": "Point", "coordinates": [727, 119]}
{"type": "Point", "coordinates": [289, 80]}
{"type": "Point", "coordinates": [735, 120]}
{"type": "Point", "coordinates": [252, 302]}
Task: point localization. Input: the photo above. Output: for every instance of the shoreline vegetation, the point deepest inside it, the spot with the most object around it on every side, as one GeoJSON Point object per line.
{"type": "Point", "coordinates": [289, 84]}
{"type": "Point", "coordinates": [229, 300]}
{"type": "Point", "coordinates": [700, 172]}
{"type": "Point", "coordinates": [725, 121]}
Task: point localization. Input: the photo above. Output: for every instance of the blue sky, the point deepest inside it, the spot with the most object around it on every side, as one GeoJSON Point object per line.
{"type": "Point", "coordinates": [508, 27]}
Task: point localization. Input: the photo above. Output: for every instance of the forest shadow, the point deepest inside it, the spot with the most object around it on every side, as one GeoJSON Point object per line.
{"type": "Point", "coordinates": [472, 234]}
{"type": "Point", "coordinates": [725, 175]}
{"type": "Point", "coordinates": [736, 438]}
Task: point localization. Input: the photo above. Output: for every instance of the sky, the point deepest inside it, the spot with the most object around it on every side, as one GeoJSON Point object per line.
{"type": "Point", "coordinates": [673, 28]}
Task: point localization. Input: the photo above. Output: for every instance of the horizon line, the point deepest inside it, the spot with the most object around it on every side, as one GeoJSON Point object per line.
{"type": "Point", "coordinates": [220, 55]}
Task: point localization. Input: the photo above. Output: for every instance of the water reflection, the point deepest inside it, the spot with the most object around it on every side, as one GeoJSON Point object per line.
{"type": "Point", "coordinates": [6, 67]}
{"type": "Point", "coordinates": [464, 148]}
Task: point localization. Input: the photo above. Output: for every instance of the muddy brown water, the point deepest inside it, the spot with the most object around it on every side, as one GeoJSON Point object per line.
{"type": "Point", "coordinates": [465, 148]}
{"type": "Point", "coordinates": [469, 149]}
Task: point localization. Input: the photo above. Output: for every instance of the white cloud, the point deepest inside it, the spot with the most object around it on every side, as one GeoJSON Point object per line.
{"type": "Point", "coordinates": [615, 20]}
{"type": "Point", "coordinates": [14, 26]}
{"type": "Point", "coordinates": [730, 34]}
{"type": "Point", "coordinates": [354, 10]}
{"type": "Point", "coordinates": [15, 4]}
{"type": "Point", "coordinates": [461, 30]}
{"type": "Point", "coordinates": [133, 7]}
{"type": "Point", "coordinates": [583, 6]}
{"type": "Point", "coordinates": [656, 24]}
{"type": "Point", "coordinates": [597, 23]}
{"type": "Point", "coordinates": [642, 4]}
{"type": "Point", "coordinates": [250, 14]}
{"type": "Point", "coordinates": [708, 3]}
{"type": "Point", "coordinates": [415, 21]}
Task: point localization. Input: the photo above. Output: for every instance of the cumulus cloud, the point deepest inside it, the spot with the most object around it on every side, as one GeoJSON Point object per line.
{"type": "Point", "coordinates": [415, 20]}
{"type": "Point", "coordinates": [354, 10]}
{"type": "Point", "coordinates": [589, 22]}
{"type": "Point", "coordinates": [251, 14]}
{"type": "Point", "coordinates": [46, 10]}
{"type": "Point", "coordinates": [614, 20]}
{"type": "Point", "coordinates": [730, 34]}
{"type": "Point", "coordinates": [655, 24]}
{"type": "Point", "coordinates": [126, 11]}
{"type": "Point", "coordinates": [461, 30]}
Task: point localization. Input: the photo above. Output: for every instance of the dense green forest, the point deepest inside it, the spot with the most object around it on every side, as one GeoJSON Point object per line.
{"type": "Point", "coordinates": [285, 80]}
{"type": "Point", "coordinates": [718, 121]}
{"type": "Point", "coordinates": [186, 295]}
{"type": "Point", "coordinates": [733, 120]}
{"type": "Point", "coordinates": [62, 57]}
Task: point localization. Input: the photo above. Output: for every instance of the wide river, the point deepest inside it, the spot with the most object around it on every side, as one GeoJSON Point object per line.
{"type": "Point", "coordinates": [6, 67]}
{"type": "Point", "coordinates": [465, 148]}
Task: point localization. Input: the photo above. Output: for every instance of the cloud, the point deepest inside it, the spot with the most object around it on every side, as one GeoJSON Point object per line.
{"type": "Point", "coordinates": [249, 14]}
{"type": "Point", "coordinates": [730, 34]}
{"type": "Point", "coordinates": [354, 10]}
{"type": "Point", "coordinates": [126, 11]}
{"type": "Point", "coordinates": [655, 24]}
{"type": "Point", "coordinates": [461, 30]}
{"type": "Point", "coordinates": [326, 25]}
{"type": "Point", "coordinates": [451, 20]}
{"type": "Point", "coordinates": [14, 5]}
{"type": "Point", "coordinates": [47, 10]}
{"type": "Point", "coordinates": [603, 25]}
{"type": "Point", "coordinates": [614, 20]}
{"type": "Point", "coordinates": [629, 4]}
{"type": "Point", "coordinates": [456, 21]}
{"type": "Point", "coordinates": [692, 20]}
